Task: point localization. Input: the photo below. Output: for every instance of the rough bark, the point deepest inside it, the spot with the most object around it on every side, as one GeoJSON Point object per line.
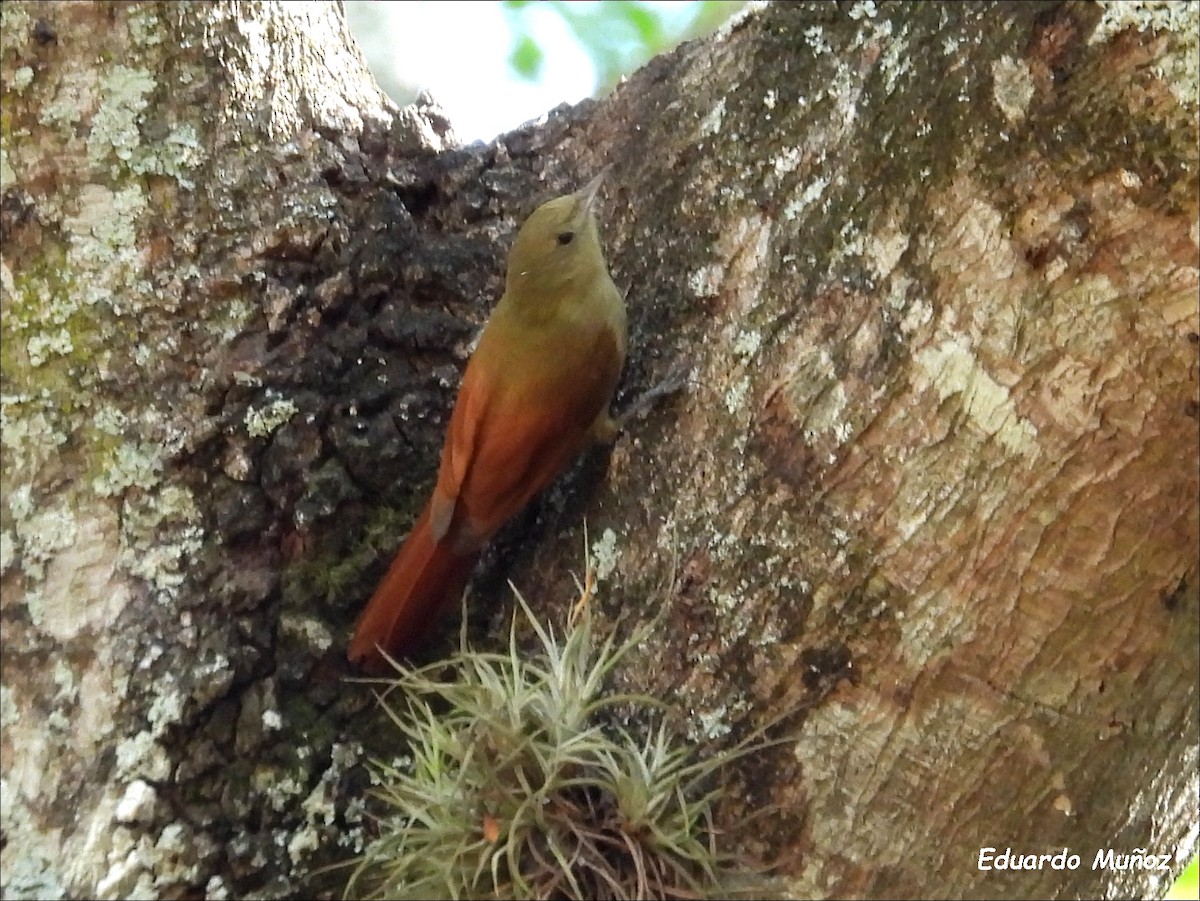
{"type": "Point", "coordinates": [932, 492]}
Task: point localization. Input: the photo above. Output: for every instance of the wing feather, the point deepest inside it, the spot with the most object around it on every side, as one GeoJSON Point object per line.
{"type": "Point", "coordinates": [511, 433]}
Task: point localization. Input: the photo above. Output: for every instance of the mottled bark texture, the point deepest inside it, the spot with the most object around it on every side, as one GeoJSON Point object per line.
{"type": "Point", "coordinates": [932, 494]}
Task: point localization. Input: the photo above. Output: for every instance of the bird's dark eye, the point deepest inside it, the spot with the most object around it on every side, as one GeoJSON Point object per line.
{"type": "Point", "coordinates": [565, 238]}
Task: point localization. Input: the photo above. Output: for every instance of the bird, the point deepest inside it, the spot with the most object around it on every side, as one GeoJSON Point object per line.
{"type": "Point", "coordinates": [536, 391]}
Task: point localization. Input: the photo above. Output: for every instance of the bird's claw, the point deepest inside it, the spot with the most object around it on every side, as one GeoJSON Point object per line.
{"type": "Point", "coordinates": [674, 381]}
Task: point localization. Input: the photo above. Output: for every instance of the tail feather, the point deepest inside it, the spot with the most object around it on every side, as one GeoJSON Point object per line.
{"type": "Point", "coordinates": [424, 579]}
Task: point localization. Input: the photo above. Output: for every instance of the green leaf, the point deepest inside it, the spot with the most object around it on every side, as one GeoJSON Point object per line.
{"type": "Point", "coordinates": [648, 26]}
{"type": "Point", "coordinates": [527, 58]}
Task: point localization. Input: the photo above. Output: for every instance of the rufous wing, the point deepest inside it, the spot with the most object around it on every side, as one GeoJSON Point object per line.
{"type": "Point", "coordinates": [515, 436]}
{"type": "Point", "coordinates": [509, 437]}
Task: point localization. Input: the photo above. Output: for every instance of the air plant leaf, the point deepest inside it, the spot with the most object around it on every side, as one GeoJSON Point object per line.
{"type": "Point", "coordinates": [518, 788]}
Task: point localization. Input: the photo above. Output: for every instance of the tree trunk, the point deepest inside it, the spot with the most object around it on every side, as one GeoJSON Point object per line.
{"type": "Point", "coordinates": [931, 495]}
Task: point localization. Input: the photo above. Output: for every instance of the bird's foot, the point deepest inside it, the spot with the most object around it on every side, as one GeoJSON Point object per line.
{"type": "Point", "coordinates": [674, 381]}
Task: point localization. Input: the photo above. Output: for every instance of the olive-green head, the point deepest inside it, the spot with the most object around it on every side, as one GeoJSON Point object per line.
{"type": "Point", "coordinates": [558, 246]}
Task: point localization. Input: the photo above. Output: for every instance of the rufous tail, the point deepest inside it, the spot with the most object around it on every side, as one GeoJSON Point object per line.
{"type": "Point", "coordinates": [424, 579]}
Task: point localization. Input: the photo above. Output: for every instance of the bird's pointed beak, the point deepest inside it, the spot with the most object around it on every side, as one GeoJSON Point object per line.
{"type": "Point", "coordinates": [589, 192]}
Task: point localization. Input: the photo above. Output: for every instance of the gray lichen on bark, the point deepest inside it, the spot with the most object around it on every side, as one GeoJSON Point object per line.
{"type": "Point", "coordinates": [130, 262]}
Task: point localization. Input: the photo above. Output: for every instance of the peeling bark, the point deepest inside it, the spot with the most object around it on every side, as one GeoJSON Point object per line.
{"type": "Point", "coordinates": [932, 495]}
